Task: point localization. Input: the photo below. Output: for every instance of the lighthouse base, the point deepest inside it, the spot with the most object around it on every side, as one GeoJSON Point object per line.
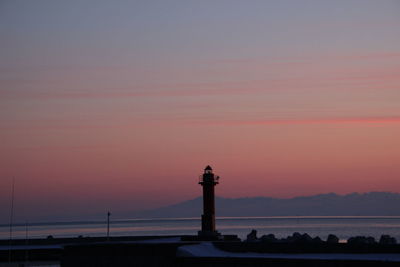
{"type": "Point", "coordinates": [211, 234]}
{"type": "Point", "coordinates": [215, 237]}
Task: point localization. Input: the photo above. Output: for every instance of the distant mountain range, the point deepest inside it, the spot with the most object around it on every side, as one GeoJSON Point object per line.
{"type": "Point", "coordinates": [355, 204]}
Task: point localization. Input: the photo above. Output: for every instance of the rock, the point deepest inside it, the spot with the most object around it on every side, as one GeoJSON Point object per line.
{"type": "Point", "coordinates": [332, 239]}
{"type": "Point", "coordinates": [269, 238]}
{"type": "Point", "coordinates": [296, 235]}
{"type": "Point", "coordinates": [361, 240]}
{"type": "Point", "coordinates": [306, 238]}
{"type": "Point", "coordinates": [387, 240]}
{"type": "Point", "coordinates": [317, 240]}
{"type": "Point", "coordinates": [293, 238]}
{"type": "Point", "coordinates": [299, 238]}
{"type": "Point", "coordinates": [252, 236]}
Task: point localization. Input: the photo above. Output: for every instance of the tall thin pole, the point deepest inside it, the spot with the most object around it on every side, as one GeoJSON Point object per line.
{"type": "Point", "coordinates": [11, 218]}
{"type": "Point", "coordinates": [108, 226]}
{"type": "Point", "coordinates": [26, 242]}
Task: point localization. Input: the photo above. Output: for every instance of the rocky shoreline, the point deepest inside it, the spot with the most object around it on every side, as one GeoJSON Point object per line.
{"type": "Point", "coordinates": [332, 239]}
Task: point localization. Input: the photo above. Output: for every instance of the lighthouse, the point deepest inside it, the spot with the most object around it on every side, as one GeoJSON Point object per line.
{"type": "Point", "coordinates": [208, 181]}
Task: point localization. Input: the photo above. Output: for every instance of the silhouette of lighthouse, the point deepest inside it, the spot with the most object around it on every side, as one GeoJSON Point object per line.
{"type": "Point", "coordinates": [208, 180]}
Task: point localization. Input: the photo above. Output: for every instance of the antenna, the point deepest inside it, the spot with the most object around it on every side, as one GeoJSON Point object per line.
{"type": "Point", "coordinates": [11, 218]}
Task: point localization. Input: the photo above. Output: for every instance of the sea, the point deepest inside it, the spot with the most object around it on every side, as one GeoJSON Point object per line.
{"type": "Point", "coordinates": [341, 226]}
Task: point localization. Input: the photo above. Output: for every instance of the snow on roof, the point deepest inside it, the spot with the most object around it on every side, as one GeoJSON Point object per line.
{"type": "Point", "coordinates": [207, 249]}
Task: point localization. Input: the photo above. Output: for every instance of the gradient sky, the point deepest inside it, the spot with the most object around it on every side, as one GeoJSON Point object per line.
{"type": "Point", "coordinates": [120, 104]}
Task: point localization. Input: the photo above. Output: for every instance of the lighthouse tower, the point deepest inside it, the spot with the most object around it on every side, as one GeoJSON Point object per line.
{"type": "Point", "coordinates": [208, 181]}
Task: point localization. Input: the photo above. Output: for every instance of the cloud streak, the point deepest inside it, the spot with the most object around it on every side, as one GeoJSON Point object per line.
{"type": "Point", "coordinates": [341, 71]}
{"type": "Point", "coordinates": [350, 120]}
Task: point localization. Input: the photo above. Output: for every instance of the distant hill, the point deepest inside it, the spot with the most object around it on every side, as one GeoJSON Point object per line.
{"type": "Point", "coordinates": [355, 204]}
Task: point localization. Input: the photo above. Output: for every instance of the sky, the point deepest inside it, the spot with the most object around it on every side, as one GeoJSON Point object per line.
{"type": "Point", "coordinates": [119, 105]}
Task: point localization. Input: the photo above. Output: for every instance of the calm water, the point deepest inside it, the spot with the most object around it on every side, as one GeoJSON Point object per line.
{"type": "Point", "coordinates": [343, 227]}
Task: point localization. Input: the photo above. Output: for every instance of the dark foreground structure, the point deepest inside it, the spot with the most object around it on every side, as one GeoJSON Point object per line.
{"type": "Point", "coordinates": [208, 181]}
{"type": "Point", "coordinates": [171, 251]}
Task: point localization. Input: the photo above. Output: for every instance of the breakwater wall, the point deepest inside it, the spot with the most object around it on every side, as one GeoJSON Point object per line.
{"type": "Point", "coordinates": [152, 251]}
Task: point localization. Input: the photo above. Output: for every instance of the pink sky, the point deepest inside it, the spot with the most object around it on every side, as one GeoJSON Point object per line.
{"type": "Point", "coordinates": [124, 115]}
